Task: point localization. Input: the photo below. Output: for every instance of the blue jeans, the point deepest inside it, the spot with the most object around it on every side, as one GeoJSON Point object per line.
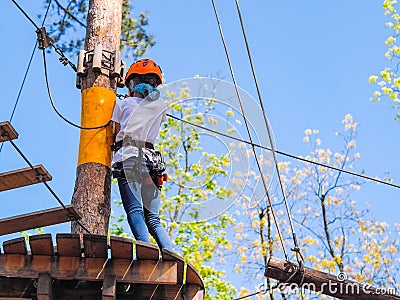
{"type": "Point", "coordinates": [141, 204]}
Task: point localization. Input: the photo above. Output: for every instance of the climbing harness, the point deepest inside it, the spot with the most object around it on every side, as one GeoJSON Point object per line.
{"type": "Point", "coordinates": [144, 164]}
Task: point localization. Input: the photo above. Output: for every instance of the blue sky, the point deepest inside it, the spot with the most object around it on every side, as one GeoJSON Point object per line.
{"type": "Point", "coordinates": [312, 59]}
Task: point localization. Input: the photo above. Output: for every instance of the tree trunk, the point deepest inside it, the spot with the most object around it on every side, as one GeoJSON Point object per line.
{"type": "Point", "coordinates": [93, 177]}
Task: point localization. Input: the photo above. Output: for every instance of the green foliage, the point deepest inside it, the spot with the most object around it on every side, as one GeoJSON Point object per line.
{"type": "Point", "coordinates": [195, 176]}
{"type": "Point", "coordinates": [334, 235]}
{"type": "Point", "coordinates": [68, 21]}
{"type": "Point", "coordinates": [388, 80]}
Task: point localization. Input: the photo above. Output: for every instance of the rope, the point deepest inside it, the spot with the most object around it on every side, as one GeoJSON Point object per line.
{"type": "Point", "coordinates": [55, 108]}
{"type": "Point", "coordinates": [248, 129]}
{"type": "Point", "coordinates": [295, 241]}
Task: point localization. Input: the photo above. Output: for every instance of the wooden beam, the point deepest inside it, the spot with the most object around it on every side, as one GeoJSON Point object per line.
{"type": "Point", "coordinates": [41, 244]}
{"type": "Point", "coordinates": [147, 251]}
{"type": "Point", "coordinates": [38, 219]}
{"type": "Point", "coordinates": [23, 177]}
{"type": "Point", "coordinates": [95, 246]}
{"type": "Point", "coordinates": [7, 132]}
{"type": "Point", "coordinates": [171, 256]}
{"type": "Point", "coordinates": [69, 244]}
{"type": "Point", "coordinates": [45, 287]}
{"type": "Point", "coordinates": [88, 269]}
{"type": "Point", "coordinates": [109, 287]}
{"type": "Point", "coordinates": [121, 248]}
{"type": "Point", "coordinates": [193, 277]}
{"type": "Point", "coordinates": [324, 283]}
{"type": "Point", "coordinates": [15, 246]}
{"type": "Point", "coordinates": [193, 292]}
{"type": "Point", "coordinates": [16, 288]}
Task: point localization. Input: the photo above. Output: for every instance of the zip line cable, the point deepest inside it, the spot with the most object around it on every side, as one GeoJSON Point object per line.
{"type": "Point", "coordinates": [65, 61]}
{"type": "Point", "coordinates": [285, 153]}
{"type": "Point", "coordinates": [247, 142]}
{"type": "Point", "coordinates": [248, 130]}
{"type": "Point", "coordinates": [25, 14]}
{"type": "Point", "coordinates": [55, 108]}
{"type": "Point", "coordinates": [296, 243]}
{"type": "Point", "coordinates": [12, 114]}
{"type": "Point", "coordinates": [26, 74]}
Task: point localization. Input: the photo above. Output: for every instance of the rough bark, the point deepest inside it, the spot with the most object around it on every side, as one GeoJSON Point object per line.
{"type": "Point", "coordinates": [92, 198]}
{"type": "Point", "coordinates": [93, 180]}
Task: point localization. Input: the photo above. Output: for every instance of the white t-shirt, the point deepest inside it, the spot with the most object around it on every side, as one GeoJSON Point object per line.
{"type": "Point", "coordinates": [140, 119]}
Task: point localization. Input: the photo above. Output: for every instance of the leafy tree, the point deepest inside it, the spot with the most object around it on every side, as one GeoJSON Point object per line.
{"type": "Point", "coordinates": [195, 176]}
{"type": "Point", "coordinates": [388, 80]}
{"type": "Point", "coordinates": [68, 20]}
{"type": "Point", "coordinates": [334, 235]}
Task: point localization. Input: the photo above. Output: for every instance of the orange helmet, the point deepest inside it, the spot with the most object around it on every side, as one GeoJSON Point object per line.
{"type": "Point", "coordinates": [144, 66]}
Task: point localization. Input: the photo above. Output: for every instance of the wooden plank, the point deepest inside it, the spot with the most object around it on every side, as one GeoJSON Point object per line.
{"type": "Point", "coordinates": [109, 287]}
{"type": "Point", "coordinates": [95, 246]}
{"type": "Point", "coordinates": [324, 283]}
{"type": "Point", "coordinates": [23, 177]}
{"type": "Point", "coordinates": [17, 288]}
{"type": "Point", "coordinates": [7, 132]}
{"type": "Point", "coordinates": [121, 248]}
{"type": "Point", "coordinates": [193, 277]}
{"type": "Point", "coordinates": [41, 244]}
{"type": "Point", "coordinates": [147, 251]}
{"type": "Point", "coordinates": [38, 219]}
{"type": "Point", "coordinates": [172, 292]}
{"type": "Point", "coordinates": [69, 244]}
{"type": "Point", "coordinates": [45, 287]}
{"type": "Point", "coordinates": [193, 292]}
{"type": "Point", "coordinates": [89, 269]}
{"type": "Point", "coordinates": [171, 256]}
{"type": "Point", "coordinates": [7, 298]}
{"type": "Point", "coordinates": [15, 246]}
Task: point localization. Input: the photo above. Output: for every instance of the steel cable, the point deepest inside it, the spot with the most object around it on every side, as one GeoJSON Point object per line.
{"type": "Point", "coordinates": [248, 130]}
{"type": "Point", "coordinates": [295, 241]}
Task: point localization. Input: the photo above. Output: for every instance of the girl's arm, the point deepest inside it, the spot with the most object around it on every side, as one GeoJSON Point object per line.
{"type": "Point", "coordinates": [116, 128]}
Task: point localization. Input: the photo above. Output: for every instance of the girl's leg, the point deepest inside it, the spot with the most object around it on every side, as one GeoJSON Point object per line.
{"type": "Point", "coordinates": [151, 203]}
{"type": "Point", "coordinates": [131, 199]}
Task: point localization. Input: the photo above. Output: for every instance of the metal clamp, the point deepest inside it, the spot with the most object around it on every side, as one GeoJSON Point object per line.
{"type": "Point", "coordinates": [101, 61]}
{"type": "Point", "coordinates": [44, 40]}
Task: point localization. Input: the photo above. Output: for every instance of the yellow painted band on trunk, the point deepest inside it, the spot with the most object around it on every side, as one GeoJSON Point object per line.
{"type": "Point", "coordinates": [97, 107]}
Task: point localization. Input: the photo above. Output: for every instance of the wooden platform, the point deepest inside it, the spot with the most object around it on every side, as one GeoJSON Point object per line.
{"type": "Point", "coordinates": [7, 132]}
{"type": "Point", "coordinates": [92, 270]}
{"type": "Point", "coordinates": [23, 177]}
{"type": "Point", "coordinates": [38, 219]}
